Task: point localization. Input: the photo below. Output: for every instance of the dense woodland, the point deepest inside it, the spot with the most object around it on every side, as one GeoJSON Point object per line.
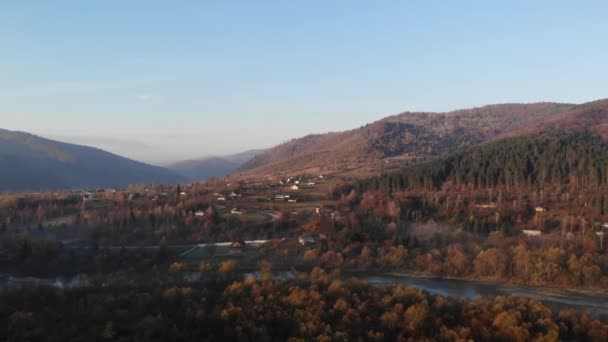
{"type": "Point", "coordinates": [577, 159]}
{"type": "Point", "coordinates": [317, 306]}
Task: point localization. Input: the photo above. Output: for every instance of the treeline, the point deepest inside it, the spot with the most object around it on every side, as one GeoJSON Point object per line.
{"type": "Point", "coordinates": [579, 160]}
{"type": "Point", "coordinates": [316, 307]}
{"type": "Point", "coordinates": [459, 255]}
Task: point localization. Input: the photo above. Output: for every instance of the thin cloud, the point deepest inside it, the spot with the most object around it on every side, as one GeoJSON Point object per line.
{"type": "Point", "coordinates": [147, 97]}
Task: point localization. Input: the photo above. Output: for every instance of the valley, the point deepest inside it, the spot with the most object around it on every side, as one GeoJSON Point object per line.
{"type": "Point", "coordinates": [475, 217]}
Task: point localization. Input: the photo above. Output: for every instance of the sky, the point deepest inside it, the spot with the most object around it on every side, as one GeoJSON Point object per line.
{"type": "Point", "coordinates": [161, 81]}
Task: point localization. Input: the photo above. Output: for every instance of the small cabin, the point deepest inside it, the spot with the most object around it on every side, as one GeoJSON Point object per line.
{"type": "Point", "coordinates": [307, 239]}
{"type": "Point", "coordinates": [532, 232]}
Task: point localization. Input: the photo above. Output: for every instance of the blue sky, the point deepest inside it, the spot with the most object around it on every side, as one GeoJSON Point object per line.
{"type": "Point", "coordinates": [166, 80]}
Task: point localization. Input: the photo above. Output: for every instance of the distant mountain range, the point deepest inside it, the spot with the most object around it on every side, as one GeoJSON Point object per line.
{"type": "Point", "coordinates": [409, 137]}
{"type": "Point", "coordinates": [209, 167]}
{"type": "Point", "coordinates": [29, 162]}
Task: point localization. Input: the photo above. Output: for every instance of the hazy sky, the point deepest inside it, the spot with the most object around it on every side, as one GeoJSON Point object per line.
{"type": "Point", "coordinates": [166, 80]}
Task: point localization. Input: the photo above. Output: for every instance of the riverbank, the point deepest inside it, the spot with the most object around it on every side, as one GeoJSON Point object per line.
{"type": "Point", "coordinates": [586, 291]}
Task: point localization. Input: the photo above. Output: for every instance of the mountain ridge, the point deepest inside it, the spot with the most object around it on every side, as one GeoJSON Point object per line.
{"type": "Point", "coordinates": [31, 162]}
{"type": "Point", "coordinates": [410, 136]}
{"type": "Point", "coordinates": [213, 166]}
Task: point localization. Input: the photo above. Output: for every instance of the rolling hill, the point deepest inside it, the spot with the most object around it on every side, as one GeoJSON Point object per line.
{"type": "Point", "coordinates": [398, 140]}
{"type": "Point", "coordinates": [209, 167]}
{"type": "Point", "coordinates": [30, 162]}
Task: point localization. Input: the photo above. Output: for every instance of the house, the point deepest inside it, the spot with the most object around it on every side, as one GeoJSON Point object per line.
{"type": "Point", "coordinates": [236, 211]}
{"type": "Point", "coordinates": [199, 213]}
{"type": "Point", "coordinates": [335, 216]}
{"type": "Point", "coordinates": [605, 225]}
{"type": "Point", "coordinates": [292, 200]}
{"type": "Point", "coordinates": [87, 196]}
{"type": "Point", "coordinates": [279, 197]}
{"type": "Point", "coordinates": [221, 198]}
{"type": "Point", "coordinates": [237, 246]}
{"type": "Point", "coordinates": [311, 183]}
{"type": "Point", "coordinates": [295, 187]}
{"type": "Point", "coordinates": [486, 206]}
{"type": "Point", "coordinates": [308, 239]}
{"type": "Point", "coordinates": [532, 232]}
{"type": "Point", "coordinates": [540, 209]}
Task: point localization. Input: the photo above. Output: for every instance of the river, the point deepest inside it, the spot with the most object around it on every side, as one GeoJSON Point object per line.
{"type": "Point", "coordinates": [596, 304]}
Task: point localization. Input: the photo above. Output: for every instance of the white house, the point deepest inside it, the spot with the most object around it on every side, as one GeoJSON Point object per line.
{"type": "Point", "coordinates": [486, 206]}
{"type": "Point", "coordinates": [199, 213]}
{"type": "Point", "coordinates": [309, 238]}
{"type": "Point", "coordinates": [532, 232]}
{"type": "Point", "coordinates": [295, 187]}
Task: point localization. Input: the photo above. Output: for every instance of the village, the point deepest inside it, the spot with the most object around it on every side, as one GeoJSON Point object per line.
{"type": "Point", "coordinates": [288, 220]}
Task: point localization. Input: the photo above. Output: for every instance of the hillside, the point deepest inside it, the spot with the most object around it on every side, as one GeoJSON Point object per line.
{"type": "Point", "coordinates": [209, 167]}
{"type": "Point", "coordinates": [397, 140]}
{"type": "Point", "coordinates": [578, 159]}
{"type": "Point", "coordinates": [29, 162]}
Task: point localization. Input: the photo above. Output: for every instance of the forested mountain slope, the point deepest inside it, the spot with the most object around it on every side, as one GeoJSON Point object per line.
{"type": "Point", "coordinates": [399, 139]}
{"type": "Point", "coordinates": [579, 159]}
{"type": "Point", "coordinates": [29, 162]}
